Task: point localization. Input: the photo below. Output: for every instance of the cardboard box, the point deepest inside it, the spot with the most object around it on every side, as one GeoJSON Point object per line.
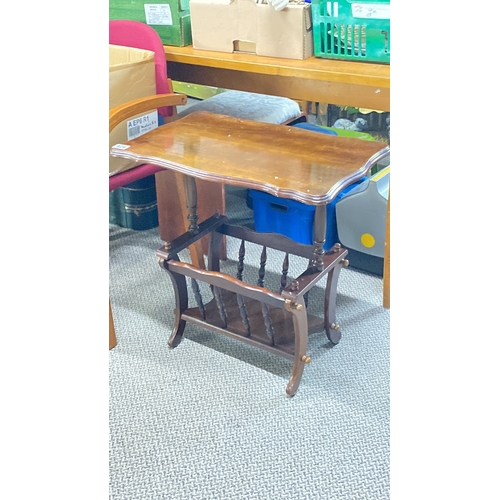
{"type": "Point", "coordinates": [245, 26]}
{"type": "Point", "coordinates": [169, 18]}
{"type": "Point", "coordinates": [131, 75]}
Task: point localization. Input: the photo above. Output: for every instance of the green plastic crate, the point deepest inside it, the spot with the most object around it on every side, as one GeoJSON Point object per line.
{"type": "Point", "coordinates": [352, 30]}
{"type": "Point", "coordinates": [171, 19]}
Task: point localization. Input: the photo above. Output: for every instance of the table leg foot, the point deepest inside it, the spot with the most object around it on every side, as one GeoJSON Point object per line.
{"type": "Point", "coordinates": [297, 371]}
{"type": "Point", "coordinates": [176, 335]}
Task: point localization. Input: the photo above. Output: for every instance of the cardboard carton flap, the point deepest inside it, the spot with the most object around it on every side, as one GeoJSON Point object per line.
{"type": "Point", "coordinates": [308, 19]}
{"type": "Point", "coordinates": [245, 26]}
{"type": "Point", "coordinates": [123, 57]}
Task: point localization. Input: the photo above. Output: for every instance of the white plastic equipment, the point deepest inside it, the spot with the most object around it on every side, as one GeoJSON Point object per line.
{"type": "Point", "coordinates": [362, 213]}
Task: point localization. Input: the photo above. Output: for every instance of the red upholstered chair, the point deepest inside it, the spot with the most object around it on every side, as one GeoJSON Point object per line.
{"type": "Point", "coordinates": [244, 105]}
{"type": "Point", "coordinates": [141, 36]}
{"type": "Point", "coordinates": [239, 104]}
{"type": "Point", "coordinates": [116, 116]}
{"type": "Point", "coordinates": [132, 108]}
{"type": "Point", "coordinates": [271, 109]}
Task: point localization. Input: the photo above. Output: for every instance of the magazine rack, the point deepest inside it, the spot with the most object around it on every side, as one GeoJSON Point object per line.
{"type": "Point", "coordinates": [286, 162]}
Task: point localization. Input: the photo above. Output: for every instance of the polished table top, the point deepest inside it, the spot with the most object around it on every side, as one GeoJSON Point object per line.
{"type": "Point", "coordinates": [285, 161]}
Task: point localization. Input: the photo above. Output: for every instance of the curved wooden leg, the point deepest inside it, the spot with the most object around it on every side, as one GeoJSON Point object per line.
{"type": "Point", "coordinates": [332, 329]}
{"type": "Point", "coordinates": [299, 314]}
{"type": "Point", "coordinates": [181, 304]}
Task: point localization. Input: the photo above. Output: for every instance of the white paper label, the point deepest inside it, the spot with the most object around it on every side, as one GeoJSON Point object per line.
{"type": "Point", "coordinates": [371, 10]}
{"type": "Point", "coordinates": [141, 125]}
{"type": "Point", "coordinates": [120, 146]}
{"type": "Point", "coordinates": [158, 14]}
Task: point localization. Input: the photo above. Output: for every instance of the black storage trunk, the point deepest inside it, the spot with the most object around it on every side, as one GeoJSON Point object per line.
{"type": "Point", "coordinates": [134, 205]}
{"type": "Point", "coordinates": [364, 262]}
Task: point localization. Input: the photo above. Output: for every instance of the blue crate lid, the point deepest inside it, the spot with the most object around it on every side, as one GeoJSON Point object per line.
{"type": "Point", "coordinates": [298, 205]}
{"type": "Point", "coordinates": [315, 128]}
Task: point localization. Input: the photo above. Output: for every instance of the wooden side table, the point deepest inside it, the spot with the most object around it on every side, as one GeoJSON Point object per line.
{"type": "Point", "coordinates": [283, 161]}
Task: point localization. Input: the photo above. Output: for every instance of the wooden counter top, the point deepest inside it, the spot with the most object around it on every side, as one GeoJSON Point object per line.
{"type": "Point", "coordinates": [349, 83]}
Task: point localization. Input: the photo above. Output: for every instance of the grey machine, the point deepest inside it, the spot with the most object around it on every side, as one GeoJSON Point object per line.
{"type": "Point", "coordinates": [362, 213]}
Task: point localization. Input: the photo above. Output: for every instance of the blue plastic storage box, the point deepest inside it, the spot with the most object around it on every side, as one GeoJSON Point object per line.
{"type": "Point", "coordinates": [292, 218]}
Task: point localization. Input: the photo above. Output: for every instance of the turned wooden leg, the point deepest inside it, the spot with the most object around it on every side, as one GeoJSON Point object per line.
{"type": "Point", "coordinates": [188, 205]}
{"type": "Point", "coordinates": [322, 114]}
{"type": "Point", "coordinates": [172, 211]}
{"type": "Point", "coordinates": [299, 315]}
{"type": "Point", "coordinates": [319, 236]}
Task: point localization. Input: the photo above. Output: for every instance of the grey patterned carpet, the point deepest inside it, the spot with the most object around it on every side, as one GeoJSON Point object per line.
{"type": "Point", "coordinates": [210, 419]}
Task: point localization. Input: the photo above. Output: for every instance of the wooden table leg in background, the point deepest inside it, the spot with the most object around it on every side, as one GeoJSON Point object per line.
{"type": "Point", "coordinates": [387, 259]}
{"type": "Point", "coordinates": [172, 210]}
{"type": "Point", "coordinates": [112, 334]}
{"type": "Point", "coordinates": [196, 250]}
{"type": "Point", "coordinates": [322, 114]}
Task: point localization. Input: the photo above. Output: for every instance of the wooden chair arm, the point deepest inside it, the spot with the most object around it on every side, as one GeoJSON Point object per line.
{"type": "Point", "coordinates": [142, 105]}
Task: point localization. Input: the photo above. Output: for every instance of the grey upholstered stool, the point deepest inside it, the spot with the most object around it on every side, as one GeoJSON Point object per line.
{"type": "Point", "coordinates": [248, 106]}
